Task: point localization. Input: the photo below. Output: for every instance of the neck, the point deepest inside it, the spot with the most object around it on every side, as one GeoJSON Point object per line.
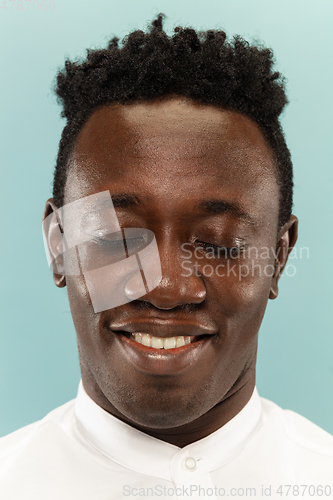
{"type": "Point", "coordinates": [230, 405]}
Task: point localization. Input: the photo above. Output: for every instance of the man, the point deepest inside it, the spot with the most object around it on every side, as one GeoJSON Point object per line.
{"type": "Point", "coordinates": [171, 145]}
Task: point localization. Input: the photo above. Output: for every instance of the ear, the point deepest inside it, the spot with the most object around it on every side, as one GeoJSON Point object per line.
{"type": "Point", "coordinates": [53, 241]}
{"type": "Point", "coordinates": [286, 242]}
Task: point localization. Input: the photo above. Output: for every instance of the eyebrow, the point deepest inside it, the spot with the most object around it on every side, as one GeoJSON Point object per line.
{"type": "Point", "coordinates": [126, 200]}
{"type": "Point", "coordinates": [234, 208]}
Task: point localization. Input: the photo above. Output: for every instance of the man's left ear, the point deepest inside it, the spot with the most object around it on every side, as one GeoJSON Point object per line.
{"type": "Point", "coordinates": [286, 242]}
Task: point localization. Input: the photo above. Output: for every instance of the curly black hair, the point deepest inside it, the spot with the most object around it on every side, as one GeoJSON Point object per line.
{"type": "Point", "coordinates": [202, 66]}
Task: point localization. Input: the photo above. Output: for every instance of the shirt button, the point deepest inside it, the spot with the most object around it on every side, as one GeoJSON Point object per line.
{"type": "Point", "coordinates": [191, 463]}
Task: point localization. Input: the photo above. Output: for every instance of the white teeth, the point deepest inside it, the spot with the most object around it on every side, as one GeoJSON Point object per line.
{"type": "Point", "coordinates": [170, 343]}
{"type": "Point", "coordinates": [146, 340]}
{"type": "Point", "coordinates": [159, 342]}
{"type": "Point", "coordinates": [180, 341]}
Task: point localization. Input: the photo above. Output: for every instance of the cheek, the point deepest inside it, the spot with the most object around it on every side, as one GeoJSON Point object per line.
{"type": "Point", "coordinates": [86, 321]}
{"type": "Point", "coordinates": [240, 290]}
{"type": "Point", "coordinates": [78, 296]}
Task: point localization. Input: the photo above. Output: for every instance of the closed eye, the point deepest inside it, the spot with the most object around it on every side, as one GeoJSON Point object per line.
{"type": "Point", "coordinates": [220, 252]}
{"type": "Point", "coordinates": [132, 244]}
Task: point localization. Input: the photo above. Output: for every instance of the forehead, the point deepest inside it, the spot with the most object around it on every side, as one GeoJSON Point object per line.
{"type": "Point", "coordinates": [173, 147]}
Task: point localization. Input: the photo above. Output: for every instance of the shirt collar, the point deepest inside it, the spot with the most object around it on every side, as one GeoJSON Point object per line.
{"type": "Point", "coordinates": [147, 455]}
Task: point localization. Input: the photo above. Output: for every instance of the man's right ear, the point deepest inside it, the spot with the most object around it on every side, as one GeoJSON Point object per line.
{"type": "Point", "coordinates": [53, 242]}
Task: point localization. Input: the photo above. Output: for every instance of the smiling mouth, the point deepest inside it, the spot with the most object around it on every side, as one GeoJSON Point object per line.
{"type": "Point", "coordinates": [161, 342]}
{"type": "Point", "coordinates": [162, 355]}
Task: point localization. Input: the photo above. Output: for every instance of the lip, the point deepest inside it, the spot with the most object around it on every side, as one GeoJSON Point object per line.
{"type": "Point", "coordinates": [163, 328]}
{"type": "Point", "coordinates": [162, 361]}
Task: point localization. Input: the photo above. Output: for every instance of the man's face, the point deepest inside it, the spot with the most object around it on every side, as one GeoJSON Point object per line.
{"type": "Point", "coordinates": [173, 156]}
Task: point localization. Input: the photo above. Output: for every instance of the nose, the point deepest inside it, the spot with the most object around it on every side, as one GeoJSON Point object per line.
{"type": "Point", "coordinates": [180, 284]}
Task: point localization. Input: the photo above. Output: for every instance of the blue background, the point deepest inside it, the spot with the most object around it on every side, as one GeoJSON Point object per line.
{"type": "Point", "coordinates": [39, 367]}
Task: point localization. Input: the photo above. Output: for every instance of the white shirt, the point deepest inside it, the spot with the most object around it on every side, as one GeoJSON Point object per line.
{"type": "Point", "coordinates": [81, 452]}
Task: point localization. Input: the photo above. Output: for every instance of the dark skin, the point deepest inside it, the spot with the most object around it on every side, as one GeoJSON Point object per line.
{"type": "Point", "coordinates": [173, 154]}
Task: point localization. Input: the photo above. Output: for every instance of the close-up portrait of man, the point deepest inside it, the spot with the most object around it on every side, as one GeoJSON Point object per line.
{"type": "Point", "coordinates": [170, 224]}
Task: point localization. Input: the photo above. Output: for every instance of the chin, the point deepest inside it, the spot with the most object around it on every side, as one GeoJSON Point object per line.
{"type": "Point", "coordinates": [162, 411]}
{"type": "Point", "coordinates": [156, 418]}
